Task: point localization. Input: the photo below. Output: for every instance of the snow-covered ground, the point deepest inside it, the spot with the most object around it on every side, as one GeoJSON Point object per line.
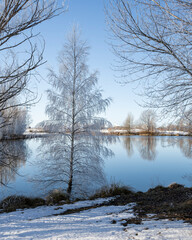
{"type": "Point", "coordinates": [97, 223]}
{"type": "Point", "coordinates": [137, 131]}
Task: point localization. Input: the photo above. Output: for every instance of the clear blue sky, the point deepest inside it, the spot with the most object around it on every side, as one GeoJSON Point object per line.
{"type": "Point", "coordinates": [89, 15]}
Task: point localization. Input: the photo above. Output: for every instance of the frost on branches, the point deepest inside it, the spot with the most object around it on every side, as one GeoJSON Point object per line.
{"type": "Point", "coordinates": [74, 104]}
{"type": "Point", "coordinates": [13, 121]}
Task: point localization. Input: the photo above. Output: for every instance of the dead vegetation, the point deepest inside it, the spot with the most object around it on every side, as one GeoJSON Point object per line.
{"type": "Point", "coordinates": [173, 202]}
{"type": "Point", "coordinates": [12, 203]}
{"type": "Point", "coordinates": [111, 191]}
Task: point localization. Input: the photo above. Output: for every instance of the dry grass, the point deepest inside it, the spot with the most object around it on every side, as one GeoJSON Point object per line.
{"type": "Point", "coordinates": [111, 191]}
{"type": "Point", "coordinates": [13, 203]}
{"type": "Point", "coordinates": [56, 196]}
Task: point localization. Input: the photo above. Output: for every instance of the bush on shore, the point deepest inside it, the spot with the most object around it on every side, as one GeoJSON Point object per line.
{"type": "Point", "coordinates": [13, 203]}
{"type": "Point", "coordinates": [56, 196]}
{"type": "Point", "coordinates": [112, 190]}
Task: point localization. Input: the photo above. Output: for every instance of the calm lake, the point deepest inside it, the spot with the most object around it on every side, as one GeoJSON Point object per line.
{"type": "Point", "coordinates": [140, 162]}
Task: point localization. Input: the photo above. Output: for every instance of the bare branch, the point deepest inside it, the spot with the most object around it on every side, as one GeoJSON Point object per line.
{"type": "Point", "coordinates": [152, 40]}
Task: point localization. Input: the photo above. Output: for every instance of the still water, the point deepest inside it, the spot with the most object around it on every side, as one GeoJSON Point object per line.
{"type": "Point", "coordinates": [140, 162]}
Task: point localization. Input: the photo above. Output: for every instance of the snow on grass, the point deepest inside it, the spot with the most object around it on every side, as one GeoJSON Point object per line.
{"type": "Point", "coordinates": [46, 211]}
{"type": "Point", "coordinates": [97, 223]}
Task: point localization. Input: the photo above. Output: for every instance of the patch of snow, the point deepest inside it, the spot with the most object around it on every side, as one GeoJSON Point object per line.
{"type": "Point", "coordinates": [174, 132]}
{"type": "Point", "coordinates": [92, 224]}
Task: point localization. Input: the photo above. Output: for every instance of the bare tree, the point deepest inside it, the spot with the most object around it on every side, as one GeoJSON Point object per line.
{"type": "Point", "coordinates": [129, 122]}
{"type": "Point", "coordinates": [74, 102]}
{"type": "Point", "coordinates": [19, 57]}
{"type": "Point", "coordinates": [186, 121]}
{"type": "Point", "coordinates": [18, 47]}
{"type": "Point", "coordinates": [148, 120]}
{"type": "Point", "coordinates": [153, 40]}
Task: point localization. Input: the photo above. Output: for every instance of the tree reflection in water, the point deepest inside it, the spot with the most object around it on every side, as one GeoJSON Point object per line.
{"type": "Point", "coordinates": [128, 145]}
{"type": "Point", "coordinates": [186, 146]}
{"type": "Point", "coordinates": [88, 172]}
{"type": "Point", "coordinates": [87, 169]}
{"type": "Point", "coordinates": [13, 155]}
{"type": "Point", "coordinates": [146, 146]}
{"type": "Point", "coordinates": [183, 143]}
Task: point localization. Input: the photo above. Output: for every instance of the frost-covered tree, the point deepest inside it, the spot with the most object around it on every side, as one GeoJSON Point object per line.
{"type": "Point", "coordinates": [74, 105]}
{"type": "Point", "coordinates": [129, 122]}
{"type": "Point", "coordinates": [185, 122]}
{"type": "Point", "coordinates": [13, 121]}
{"type": "Point", "coordinates": [148, 120]}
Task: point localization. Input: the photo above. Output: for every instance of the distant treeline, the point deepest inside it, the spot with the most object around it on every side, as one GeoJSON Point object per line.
{"type": "Point", "coordinates": [148, 120]}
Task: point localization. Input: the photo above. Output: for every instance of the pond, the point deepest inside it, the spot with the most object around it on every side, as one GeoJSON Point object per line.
{"type": "Point", "coordinates": [140, 162]}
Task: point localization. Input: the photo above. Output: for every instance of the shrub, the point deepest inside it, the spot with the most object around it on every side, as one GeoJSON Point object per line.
{"type": "Point", "coordinates": [112, 190]}
{"type": "Point", "coordinates": [13, 202]}
{"type": "Point", "coordinates": [55, 196]}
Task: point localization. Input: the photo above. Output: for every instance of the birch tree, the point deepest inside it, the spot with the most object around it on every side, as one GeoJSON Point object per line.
{"type": "Point", "coordinates": [74, 105]}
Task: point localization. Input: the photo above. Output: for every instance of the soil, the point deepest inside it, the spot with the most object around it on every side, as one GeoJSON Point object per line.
{"type": "Point", "coordinates": [173, 202]}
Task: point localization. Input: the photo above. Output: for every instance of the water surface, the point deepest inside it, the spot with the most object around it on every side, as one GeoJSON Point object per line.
{"type": "Point", "coordinates": [141, 162]}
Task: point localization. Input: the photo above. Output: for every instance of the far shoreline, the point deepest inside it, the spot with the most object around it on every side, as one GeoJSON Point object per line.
{"type": "Point", "coordinates": [39, 133]}
{"type": "Point", "coordinates": [140, 132]}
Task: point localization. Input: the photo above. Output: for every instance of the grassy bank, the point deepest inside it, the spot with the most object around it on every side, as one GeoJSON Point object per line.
{"type": "Point", "coordinates": [173, 202]}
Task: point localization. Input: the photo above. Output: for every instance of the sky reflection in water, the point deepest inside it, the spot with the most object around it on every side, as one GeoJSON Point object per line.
{"type": "Point", "coordinates": [139, 161]}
